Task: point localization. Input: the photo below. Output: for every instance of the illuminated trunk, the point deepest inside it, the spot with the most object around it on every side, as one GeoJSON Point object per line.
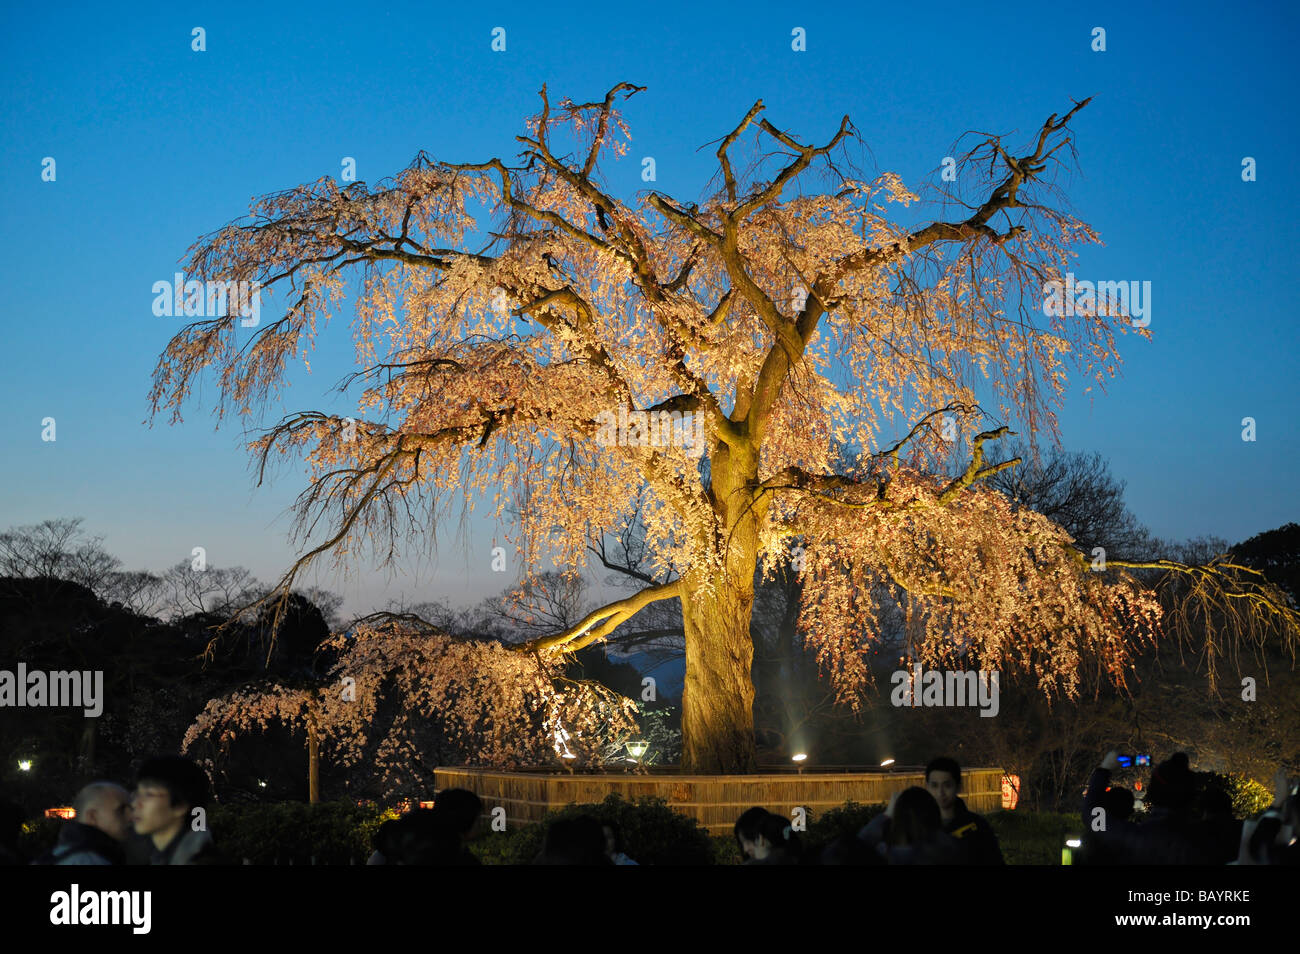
{"type": "Point", "coordinates": [313, 755]}
{"type": "Point", "coordinates": [718, 697]}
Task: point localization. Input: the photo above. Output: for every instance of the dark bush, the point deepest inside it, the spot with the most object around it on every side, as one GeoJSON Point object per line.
{"type": "Point", "coordinates": [38, 836]}
{"type": "Point", "coordinates": [334, 833]}
{"type": "Point", "coordinates": [725, 850]}
{"type": "Point", "coordinates": [653, 834]}
{"type": "Point", "coordinates": [1033, 838]}
{"type": "Point", "coordinates": [847, 820]}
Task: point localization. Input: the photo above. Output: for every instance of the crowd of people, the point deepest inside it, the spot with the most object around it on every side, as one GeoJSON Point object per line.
{"type": "Point", "coordinates": [921, 826]}
{"type": "Point", "coordinates": [933, 826]}
{"type": "Point", "coordinates": [1183, 826]}
{"type": "Point", "coordinates": [160, 823]}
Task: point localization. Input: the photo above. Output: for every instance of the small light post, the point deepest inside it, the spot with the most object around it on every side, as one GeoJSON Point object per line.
{"type": "Point", "coordinates": [1067, 853]}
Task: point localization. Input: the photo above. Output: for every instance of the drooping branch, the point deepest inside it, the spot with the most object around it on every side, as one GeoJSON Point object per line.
{"type": "Point", "coordinates": [1226, 605]}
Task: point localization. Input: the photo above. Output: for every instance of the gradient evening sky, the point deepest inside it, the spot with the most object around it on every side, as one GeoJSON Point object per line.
{"type": "Point", "coordinates": [156, 145]}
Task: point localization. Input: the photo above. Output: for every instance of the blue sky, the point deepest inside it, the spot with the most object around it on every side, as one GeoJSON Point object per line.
{"type": "Point", "coordinates": [156, 144]}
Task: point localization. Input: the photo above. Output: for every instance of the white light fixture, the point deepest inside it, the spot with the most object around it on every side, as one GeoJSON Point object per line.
{"type": "Point", "coordinates": [562, 744]}
{"type": "Point", "coordinates": [25, 765]}
{"type": "Point", "coordinates": [886, 763]}
{"type": "Point", "coordinates": [638, 748]}
{"type": "Point", "coordinates": [799, 757]}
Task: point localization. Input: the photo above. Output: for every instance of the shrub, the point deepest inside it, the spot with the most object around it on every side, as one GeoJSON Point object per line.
{"type": "Point", "coordinates": [847, 820]}
{"type": "Point", "coordinates": [38, 836]}
{"type": "Point", "coordinates": [1248, 797]}
{"type": "Point", "coordinates": [725, 850]}
{"type": "Point", "coordinates": [1033, 838]}
{"type": "Point", "coordinates": [514, 846]}
{"type": "Point", "coordinates": [653, 834]}
{"type": "Point", "coordinates": [333, 833]}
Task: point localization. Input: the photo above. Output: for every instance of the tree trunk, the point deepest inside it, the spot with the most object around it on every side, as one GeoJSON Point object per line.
{"type": "Point", "coordinates": [718, 698]}
{"type": "Point", "coordinates": [89, 733]}
{"type": "Point", "coordinates": [313, 758]}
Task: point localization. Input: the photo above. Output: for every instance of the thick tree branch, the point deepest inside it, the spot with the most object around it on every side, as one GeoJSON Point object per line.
{"type": "Point", "coordinates": [608, 617]}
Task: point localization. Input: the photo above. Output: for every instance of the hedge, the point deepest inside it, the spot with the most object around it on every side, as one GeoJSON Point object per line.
{"type": "Point", "coordinates": [332, 833]}
{"type": "Point", "coordinates": [653, 834]}
{"type": "Point", "coordinates": [339, 833]}
{"type": "Point", "coordinates": [1033, 838]}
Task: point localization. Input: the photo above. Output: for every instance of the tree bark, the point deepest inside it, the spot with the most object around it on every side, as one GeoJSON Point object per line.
{"type": "Point", "coordinates": [89, 734]}
{"type": "Point", "coordinates": [718, 698]}
{"type": "Point", "coordinates": [313, 757]}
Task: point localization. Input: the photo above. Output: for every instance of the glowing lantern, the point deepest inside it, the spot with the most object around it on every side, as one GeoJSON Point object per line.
{"type": "Point", "coordinates": [1010, 791]}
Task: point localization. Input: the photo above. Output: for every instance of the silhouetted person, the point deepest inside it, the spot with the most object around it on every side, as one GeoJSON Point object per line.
{"type": "Point", "coordinates": [1221, 830]}
{"type": "Point", "coordinates": [615, 850]}
{"type": "Point", "coordinates": [427, 837]}
{"type": "Point", "coordinates": [168, 790]}
{"type": "Point", "coordinates": [384, 843]}
{"type": "Point", "coordinates": [910, 832]}
{"type": "Point", "coordinates": [95, 835]}
{"type": "Point", "coordinates": [849, 850]}
{"type": "Point", "coordinates": [1169, 835]}
{"type": "Point", "coordinates": [11, 826]}
{"type": "Point", "coordinates": [1274, 837]}
{"type": "Point", "coordinates": [973, 832]}
{"type": "Point", "coordinates": [574, 841]}
{"type": "Point", "coordinates": [766, 839]}
{"type": "Point", "coordinates": [462, 810]}
{"type": "Point", "coordinates": [1107, 836]}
